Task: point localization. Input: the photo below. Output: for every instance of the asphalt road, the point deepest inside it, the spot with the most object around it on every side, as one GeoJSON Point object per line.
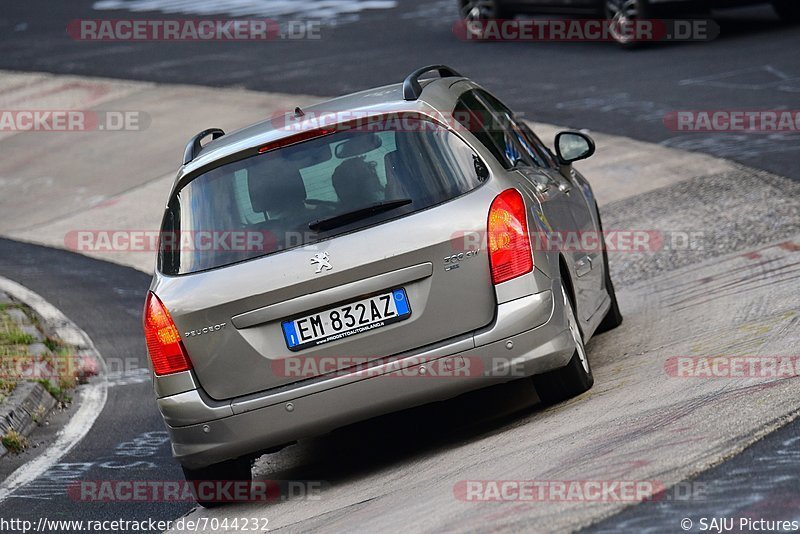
{"type": "Point", "coordinates": [761, 481]}
{"type": "Point", "coordinates": [105, 299]}
{"type": "Point", "coordinates": [752, 65]}
{"type": "Point", "coordinates": [128, 440]}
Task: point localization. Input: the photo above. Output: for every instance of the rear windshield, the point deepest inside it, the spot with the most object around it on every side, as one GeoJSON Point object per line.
{"type": "Point", "coordinates": [314, 190]}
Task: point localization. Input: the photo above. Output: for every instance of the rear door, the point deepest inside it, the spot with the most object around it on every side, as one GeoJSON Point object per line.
{"type": "Point", "coordinates": [586, 241]}
{"type": "Point", "coordinates": [566, 215]}
{"type": "Point", "coordinates": [554, 192]}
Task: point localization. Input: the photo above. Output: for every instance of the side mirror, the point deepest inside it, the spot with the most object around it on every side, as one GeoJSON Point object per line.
{"type": "Point", "coordinates": [573, 146]}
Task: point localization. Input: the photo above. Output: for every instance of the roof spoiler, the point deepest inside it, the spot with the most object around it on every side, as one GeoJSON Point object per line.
{"type": "Point", "coordinates": [411, 87]}
{"type": "Point", "coordinates": [193, 147]}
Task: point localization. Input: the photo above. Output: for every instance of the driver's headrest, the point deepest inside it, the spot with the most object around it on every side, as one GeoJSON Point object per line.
{"type": "Point", "coordinates": [356, 181]}
{"type": "Point", "coordinates": [274, 183]}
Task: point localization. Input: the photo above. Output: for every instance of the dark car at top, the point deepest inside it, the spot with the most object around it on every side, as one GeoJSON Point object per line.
{"type": "Point", "coordinates": [619, 12]}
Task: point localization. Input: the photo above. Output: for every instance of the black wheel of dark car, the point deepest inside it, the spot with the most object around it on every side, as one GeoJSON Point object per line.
{"type": "Point", "coordinates": [574, 378]}
{"type": "Point", "coordinates": [788, 10]}
{"type": "Point", "coordinates": [481, 11]}
{"type": "Point", "coordinates": [622, 15]}
{"type": "Point", "coordinates": [237, 470]}
{"type": "Point", "coordinates": [613, 316]}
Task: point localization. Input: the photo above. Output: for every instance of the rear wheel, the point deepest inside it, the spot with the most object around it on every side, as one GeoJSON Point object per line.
{"type": "Point", "coordinates": [788, 10]}
{"type": "Point", "coordinates": [574, 378]}
{"type": "Point", "coordinates": [481, 11]}
{"type": "Point", "coordinates": [239, 469]}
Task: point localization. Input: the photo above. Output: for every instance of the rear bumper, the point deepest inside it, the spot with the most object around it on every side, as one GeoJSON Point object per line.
{"type": "Point", "coordinates": [205, 432]}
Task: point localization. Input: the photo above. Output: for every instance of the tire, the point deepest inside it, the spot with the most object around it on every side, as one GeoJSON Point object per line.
{"type": "Point", "coordinates": [621, 12]}
{"type": "Point", "coordinates": [787, 10]}
{"type": "Point", "coordinates": [574, 378]}
{"type": "Point", "coordinates": [482, 10]}
{"type": "Point", "coordinates": [238, 469]}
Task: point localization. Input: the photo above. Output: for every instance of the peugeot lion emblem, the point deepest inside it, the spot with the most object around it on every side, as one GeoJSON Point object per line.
{"type": "Point", "coordinates": [321, 261]}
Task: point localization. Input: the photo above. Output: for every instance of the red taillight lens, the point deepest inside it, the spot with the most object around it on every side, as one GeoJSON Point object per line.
{"type": "Point", "coordinates": [163, 340]}
{"type": "Point", "coordinates": [509, 244]}
{"type": "Point", "coordinates": [298, 138]}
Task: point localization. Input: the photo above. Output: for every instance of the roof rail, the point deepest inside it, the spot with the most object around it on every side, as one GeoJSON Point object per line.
{"type": "Point", "coordinates": [193, 146]}
{"type": "Point", "coordinates": [411, 87]}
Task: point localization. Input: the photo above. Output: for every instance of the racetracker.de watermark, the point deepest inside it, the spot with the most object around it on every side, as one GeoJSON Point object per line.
{"type": "Point", "coordinates": [456, 367]}
{"type": "Point", "coordinates": [761, 367]}
{"type": "Point", "coordinates": [193, 30]}
{"type": "Point", "coordinates": [463, 243]}
{"type": "Point", "coordinates": [579, 30]}
{"type": "Point", "coordinates": [557, 490]}
{"type": "Point", "coordinates": [620, 240]}
{"type": "Point", "coordinates": [734, 120]}
{"type": "Point", "coordinates": [190, 241]}
{"type": "Point", "coordinates": [190, 491]}
{"type": "Point", "coordinates": [72, 120]}
{"type": "Point", "coordinates": [49, 367]}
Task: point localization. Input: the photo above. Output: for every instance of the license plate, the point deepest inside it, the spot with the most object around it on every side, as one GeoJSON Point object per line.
{"type": "Point", "coordinates": [348, 320]}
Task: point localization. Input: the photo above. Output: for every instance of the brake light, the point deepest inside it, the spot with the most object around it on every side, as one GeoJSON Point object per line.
{"type": "Point", "coordinates": [298, 138]}
{"type": "Point", "coordinates": [509, 244]}
{"type": "Point", "coordinates": [163, 340]}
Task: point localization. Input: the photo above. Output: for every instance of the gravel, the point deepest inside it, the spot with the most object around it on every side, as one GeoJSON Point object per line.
{"type": "Point", "coordinates": [703, 218]}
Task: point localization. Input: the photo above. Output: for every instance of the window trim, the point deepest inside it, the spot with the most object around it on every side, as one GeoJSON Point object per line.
{"type": "Point", "coordinates": [496, 150]}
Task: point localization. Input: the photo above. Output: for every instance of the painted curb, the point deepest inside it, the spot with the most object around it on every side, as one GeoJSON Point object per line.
{"type": "Point", "coordinates": [20, 411]}
{"type": "Point", "coordinates": [90, 398]}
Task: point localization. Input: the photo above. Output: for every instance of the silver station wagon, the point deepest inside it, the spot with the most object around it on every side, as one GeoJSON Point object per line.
{"type": "Point", "coordinates": [378, 251]}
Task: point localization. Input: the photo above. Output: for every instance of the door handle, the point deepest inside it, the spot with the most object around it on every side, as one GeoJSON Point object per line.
{"type": "Point", "coordinates": [564, 188]}
{"type": "Point", "coordinates": [536, 179]}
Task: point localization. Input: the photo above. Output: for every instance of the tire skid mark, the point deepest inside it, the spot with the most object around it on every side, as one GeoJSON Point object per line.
{"type": "Point", "coordinates": [709, 279]}
{"type": "Point", "coordinates": [614, 449]}
{"type": "Point", "coordinates": [747, 288]}
{"type": "Point", "coordinates": [739, 279]}
{"type": "Point", "coordinates": [742, 285]}
{"type": "Point", "coordinates": [746, 338]}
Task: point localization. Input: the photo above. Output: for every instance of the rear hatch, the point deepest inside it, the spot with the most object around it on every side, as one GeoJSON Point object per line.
{"type": "Point", "coordinates": [320, 255]}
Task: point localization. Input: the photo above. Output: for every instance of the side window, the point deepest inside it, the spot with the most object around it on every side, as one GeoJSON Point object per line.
{"type": "Point", "coordinates": [474, 116]}
{"type": "Point", "coordinates": [517, 129]}
{"type": "Point", "coordinates": [534, 140]}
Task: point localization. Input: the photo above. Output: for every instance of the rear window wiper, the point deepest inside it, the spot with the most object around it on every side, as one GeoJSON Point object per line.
{"type": "Point", "coordinates": [329, 223]}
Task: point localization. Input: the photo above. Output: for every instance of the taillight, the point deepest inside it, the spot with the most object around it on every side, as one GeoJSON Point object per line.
{"type": "Point", "coordinates": [509, 244]}
{"type": "Point", "coordinates": [298, 138]}
{"type": "Point", "coordinates": [163, 340]}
